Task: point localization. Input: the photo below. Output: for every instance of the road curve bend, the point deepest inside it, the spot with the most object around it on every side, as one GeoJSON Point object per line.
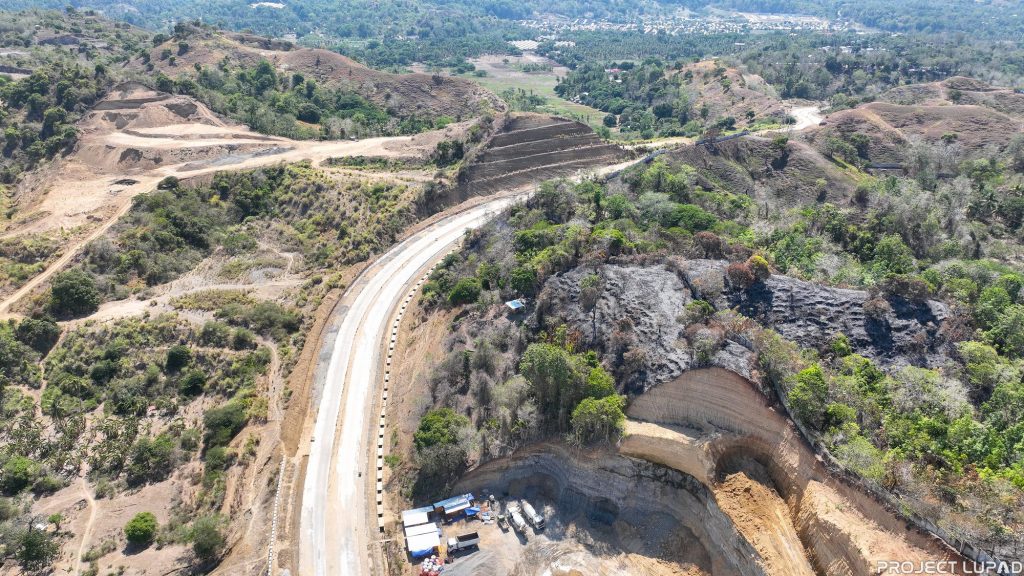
{"type": "Point", "coordinates": [334, 531]}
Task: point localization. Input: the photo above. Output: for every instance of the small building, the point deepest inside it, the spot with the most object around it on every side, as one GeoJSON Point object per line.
{"type": "Point", "coordinates": [422, 537]}
{"type": "Point", "coordinates": [416, 516]}
{"type": "Point", "coordinates": [453, 507]}
{"type": "Point", "coordinates": [516, 305]}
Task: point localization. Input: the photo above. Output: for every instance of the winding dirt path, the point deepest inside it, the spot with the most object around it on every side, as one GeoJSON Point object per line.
{"type": "Point", "coordinates": [90, 523]}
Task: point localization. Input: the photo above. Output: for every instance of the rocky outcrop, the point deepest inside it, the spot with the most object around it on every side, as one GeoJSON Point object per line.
{"type": "Point", "coordinates": [598, 489]}
{"type": "Point", "coordinates": [637, 309]}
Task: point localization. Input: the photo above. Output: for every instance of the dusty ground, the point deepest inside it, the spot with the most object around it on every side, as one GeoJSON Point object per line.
{"type": "Point", "coordinates": [137, 137]}
{"type": "Point", "coordinates": [571, 545]}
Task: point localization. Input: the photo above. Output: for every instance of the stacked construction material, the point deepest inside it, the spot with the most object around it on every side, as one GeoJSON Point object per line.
{"type": "Point", "coordinates": [432, 566]}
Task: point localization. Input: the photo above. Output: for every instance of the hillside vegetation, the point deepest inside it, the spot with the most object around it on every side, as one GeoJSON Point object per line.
{"type": "Point", "coordinates": [918, 402]}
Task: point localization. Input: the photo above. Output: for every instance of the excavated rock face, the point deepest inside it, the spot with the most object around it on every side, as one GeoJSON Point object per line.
{"type": "Point", "coordinates": [634, 313]}
{"type": "Point", "coordinates": [633, 319]}
{"type": "Point", "coordinates": [599, 491]}
{"type": "Point", "coordinates": [810, 314]}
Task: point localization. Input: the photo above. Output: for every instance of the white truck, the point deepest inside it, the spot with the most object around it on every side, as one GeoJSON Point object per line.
{"type": "Point", "coordinates": [464, 541]}
{"type": "Point", "coordinates": [535, 520]}
{"type": "Point", "coordinates": [515, 518]}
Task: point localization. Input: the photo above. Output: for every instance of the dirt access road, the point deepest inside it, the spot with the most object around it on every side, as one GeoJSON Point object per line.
{"type": "Point", "coordinates": [101, 194]}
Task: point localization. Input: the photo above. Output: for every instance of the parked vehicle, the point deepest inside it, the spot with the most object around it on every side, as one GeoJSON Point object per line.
{"type": "Point", "coordinates": [502, 522]}
{"type": "Point", "coordinates": [464, 541]}
{"type": "Point", "coordinates": [531, 515]}
{"type": "Point", "coordinates": [535, 520]}
{"type": "Point", "coordinates": [516, 519]}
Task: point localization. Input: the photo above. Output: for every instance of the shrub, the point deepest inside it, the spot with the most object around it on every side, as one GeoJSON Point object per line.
{"type": "Point", "coordinates": [36, 549]}
{"type": "Point", "coordinates": [73, 294]}
{"type": "Point", "coordinates": [17, 474]}
{"type": "Point", "coordinates": [223, 423]}
{"type": "Point", "coordinates": [740, 275]}
{"type": "Point", "coordinates": [523, 280]}
{"type": "Point", "coordinates": [39, 334]}
{"type": "Point", "coordinates": [596, 419]}
{"type": "Point", "coordinates": [151, 459]}
{"type": "Point", "coordinates": [192, 383]}
{"type": "Point", "coordinates": [466, 291]}
{"type": "Point", "coordinates": [809, 394]}
{"type": "Point", "coordinates": [207, 537]}
{"type": "Point", "coordinates": [168, 183]}
{"type": "Point", "coordinates": [759, 267]}
{"type": "Point", "coordinates": [439, 427]}
{"type": "Point", "coordinates": [693, 218]}
{"type": "Point", "coordinates": [178, 357]}
{"type": "Point", "coordinates": [141, 529]}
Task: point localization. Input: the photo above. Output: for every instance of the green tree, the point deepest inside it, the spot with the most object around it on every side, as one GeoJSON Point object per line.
{"type": "Point", "coordinates": [207, 537]}
{"type": "Point", "coordinates": [439, 427]}
{"type": "Point", "coordinates": [178, 357]}
{"type": "Point", "coordinates": [557, 379]}
{"type": "Point", "coordinates": [224, 422]}
{"type": "Point", "coordinates": [466, 291]}
{"type": "Point", "coordinates": [73, 294]}
{"type": "Point", "coordinates": [141, 529]}
{"type": "Point", "coordinates": [1007, 333]}
{"type": "Point", "coordinates": [809, 395]}
{"type": "Point", "coordinates": [596, 419]}
{"type": "Point", "coordinates": [151, 459]}
{"type": "Point", "coordinates": [18, 473]}
{"type": "Point", "coordinates": [36, 549]}
{"type": "Point", "coordinates": [40, 334]}
{"type": "Point", "coordinates": [893, 256]}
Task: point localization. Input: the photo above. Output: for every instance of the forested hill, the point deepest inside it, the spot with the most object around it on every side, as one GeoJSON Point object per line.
{"type": "Point", "coordinates": [424, 19]}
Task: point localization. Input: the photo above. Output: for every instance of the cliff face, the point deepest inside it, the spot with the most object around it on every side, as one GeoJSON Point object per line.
{"type": "Point", "coordinates": [716, 427]}
{"type": "Point", "coordinates": [599, 491]}
{"type": "Point", "coordinates": [634, 319]}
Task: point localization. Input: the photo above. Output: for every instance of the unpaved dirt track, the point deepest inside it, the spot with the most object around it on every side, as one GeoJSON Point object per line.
{"type": "Point", "coordinates": [115, 162]}
{"type": "Point", "coordinates": [806, 116]}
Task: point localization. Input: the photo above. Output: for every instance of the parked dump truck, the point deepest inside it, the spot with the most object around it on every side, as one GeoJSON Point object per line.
{"type": "Point", "coordinates": [515, 518]}
{"type": "Point", "coordinates": [463, 541]}
{"type": "Point", "coordinates": [535, 520]}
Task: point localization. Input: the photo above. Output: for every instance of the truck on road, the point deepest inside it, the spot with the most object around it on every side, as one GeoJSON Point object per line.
{"type": "Point", "coordinates": [464, 541]}
{"type": "Point", "coordinates": [535, 520]}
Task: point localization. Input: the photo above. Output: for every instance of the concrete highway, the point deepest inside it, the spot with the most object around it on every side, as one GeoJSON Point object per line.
{"type": "Point", "coordinates": [335, 531]}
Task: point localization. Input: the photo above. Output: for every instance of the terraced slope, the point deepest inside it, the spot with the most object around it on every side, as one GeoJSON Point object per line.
{"type": "Point", "coordinates": [531, 148]}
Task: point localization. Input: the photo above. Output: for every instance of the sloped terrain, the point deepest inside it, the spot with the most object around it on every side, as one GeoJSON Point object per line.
{"type": "Point", "coordinates": [959, 90]}
{"type": "Point", "coordinates": [975, 125]}
{"type": "Point", "coordinates": [531, 148]}
{"type": "Point", "coordinates": [754, 167]}
{"type": "Point", "coordinates": [717, 427]}
{"type": "Point", "coordinates": [402, 95]}
{"type": "Point", "coordinates": [728, 92]}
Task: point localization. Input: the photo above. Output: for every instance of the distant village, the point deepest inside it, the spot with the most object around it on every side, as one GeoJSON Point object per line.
{"type": "Point", "coordinates": [686, 22]}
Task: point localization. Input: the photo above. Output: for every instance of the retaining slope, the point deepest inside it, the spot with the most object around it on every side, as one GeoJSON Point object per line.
{"type": "Point", "coordinates": [712, 423]}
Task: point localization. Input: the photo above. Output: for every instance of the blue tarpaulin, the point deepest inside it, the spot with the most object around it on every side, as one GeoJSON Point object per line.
{"type": "Point", "coordinates": [472, 511]}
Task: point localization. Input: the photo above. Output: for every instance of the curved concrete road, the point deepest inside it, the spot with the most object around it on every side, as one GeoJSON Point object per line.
{"type": "Point", "coordinates": [335, 531]}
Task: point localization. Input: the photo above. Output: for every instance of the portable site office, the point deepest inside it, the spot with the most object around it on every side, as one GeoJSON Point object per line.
{"type": "Point", "coordinates": [454, 506]}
